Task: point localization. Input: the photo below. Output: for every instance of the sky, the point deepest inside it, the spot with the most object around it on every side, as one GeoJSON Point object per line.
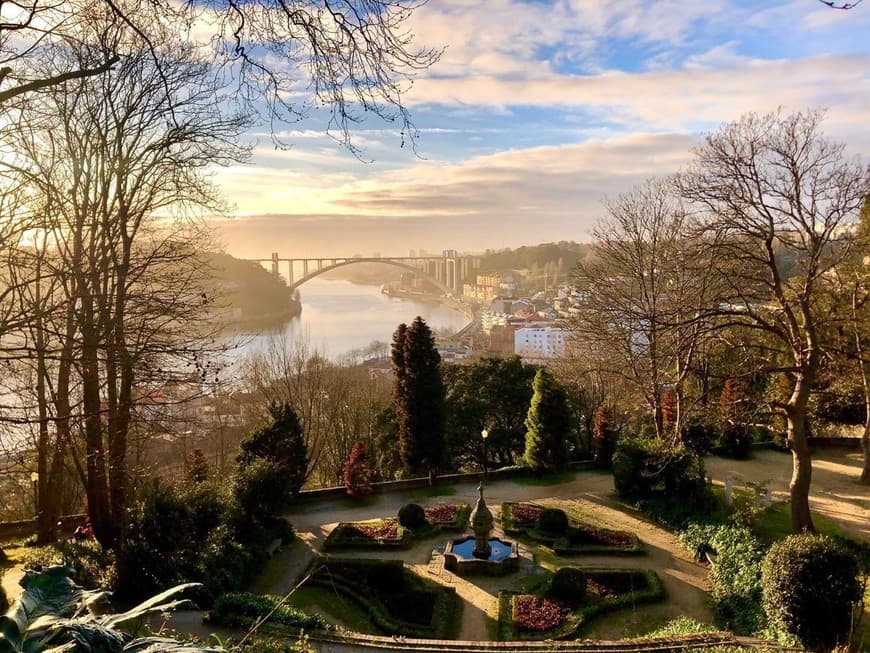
{"type": "Point", "coordinates": [537, 112]}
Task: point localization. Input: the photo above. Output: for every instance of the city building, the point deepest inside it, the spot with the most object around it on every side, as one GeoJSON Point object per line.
{"type": "Point", "coordinates": [539, 342]}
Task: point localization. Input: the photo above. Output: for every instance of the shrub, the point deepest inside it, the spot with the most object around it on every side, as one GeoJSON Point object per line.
{"type": "Point", "coordinates": [553, 521]}
{"type": "Point", "coordinates": [412, 516]}
{"type": "Point", "coordinates": [569, 584]}
{"type": "Point", "coordinates": [699, 436]}
{"type": "Point", "coordinates": [196, 467]}
{"type": "Point", "coordinates": [282, 444]}
{"type": "Point", "coordinates": [736, 576]}
{"type": "Point", "coordinates": [261, 490]}
{"type": "Point", "coordinates": [357, 471]}
{"type": "Point", "coordinates": [809, 589]}
{"type": "Point", "coordinates": [93, 567]}
{"type": "Point", "coordinates": [243, 608]}
{"type": "Point", "coordinates": [4, 602]}
{"type": "Point", "coordinates": [388, 577]}
{"type": "Point", "coordinates": [644, 468]}
{"type": "Point", "coordinates": [735, 441]}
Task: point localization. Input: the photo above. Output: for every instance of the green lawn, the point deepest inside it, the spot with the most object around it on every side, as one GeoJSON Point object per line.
{"type": "Point", "coordinates": [556, 478]}
{"type": "Point", "coordinates": [775, 524]}
{"type": "Point", "coordinates": [333, 607]}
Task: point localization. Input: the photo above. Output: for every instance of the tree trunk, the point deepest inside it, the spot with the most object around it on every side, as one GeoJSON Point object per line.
{"type": "Point", "coordinates": [802, 468]}
{"type": "Point", "coordinates": [865, 445]}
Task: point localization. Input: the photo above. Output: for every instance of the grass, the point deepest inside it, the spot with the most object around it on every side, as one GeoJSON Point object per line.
{"type": "Point", "coordinates": [333, 607]}
{"type": "Point", "coordinates": [556, 478]}
{"type": "Point", "coordinates": [775, 524]}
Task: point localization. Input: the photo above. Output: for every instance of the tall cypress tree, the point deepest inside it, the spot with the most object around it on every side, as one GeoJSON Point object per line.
{"type": "Point", "coordinates": [548, 424]}
{"type": "Point", "coordinates": [419, 398]}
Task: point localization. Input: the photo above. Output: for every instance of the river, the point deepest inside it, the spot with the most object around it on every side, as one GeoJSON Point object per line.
{"type": "Point", "coordinates": [339, 316]}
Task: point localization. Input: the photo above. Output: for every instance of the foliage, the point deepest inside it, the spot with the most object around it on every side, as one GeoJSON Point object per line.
{"type": "Point", "coordinates": [398, 601]}
{"type": "Point", "coordinates": [375, 534]}
{"type": "Point", "coordinates": [553, 521]}
{"type": "Point", "coordinates": [569, 584]}
{"type": "Point", "coordinates": [736, 576]}
{"type": "Point", "coordinates": [734, 441]}
{"type": "Point", "coordinates": [604, 436]}
{"type": "Point", "coordinates": [53, 612]}
{"type": "Point", "coordinates": [418, 397]}
{"type": "Point", "coordinates": [196, 467]}
{"type": "Point", "coordinates": [548, 424]}
{"type": "Point", "coordinates": [494, 393]}
{"type": "Point", "coordinates": [93, 567]}
{"type": "Point", "coordinates": [810, 587]}
{"type": "Point", "coordinates": [699, 435]}
{"type": "Point", "coordinates": [282, 444]}
{"type": "Point", "coordinates": [357, 471]}
{"type": "Point", "coordinates": [537, 613]}
{"type": "Point", "coordinates": [242, 609]}
{"type": "Point", "coordinates": [412, 515]}
{"type": "Point", "coordinates": [4, 601]}
{"type": "Point", "coordinates": [645, 469]}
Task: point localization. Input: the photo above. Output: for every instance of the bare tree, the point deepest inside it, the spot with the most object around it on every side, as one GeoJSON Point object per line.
{"type": "Point", "coordinates": [641, 294]}
{"type": "Point", "coordinates": [285, 59]}
{"type": "Point", "coordinates": [130, 144]}
{"type": "Point", "coordinates": [774, 195]}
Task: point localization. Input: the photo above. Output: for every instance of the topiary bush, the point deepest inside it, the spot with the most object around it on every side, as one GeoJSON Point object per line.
{"type": "Point", "coordinates": [810, 586]}
{"type": "Point", "coordinates": [553, 521]}
{"type": "Point", "coordinates": [412, 516]}
{"type": "Point", "coordinates": [569, 584]}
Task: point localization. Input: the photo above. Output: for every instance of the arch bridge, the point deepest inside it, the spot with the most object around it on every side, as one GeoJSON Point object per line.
{"type": "Point", "coordinates": [447, 272]}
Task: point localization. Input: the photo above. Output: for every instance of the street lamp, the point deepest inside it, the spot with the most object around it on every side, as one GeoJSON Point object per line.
{"type": "Point", "coordinates": [484, 434]}
{"type": "Point", "coordinates": [34, 479]}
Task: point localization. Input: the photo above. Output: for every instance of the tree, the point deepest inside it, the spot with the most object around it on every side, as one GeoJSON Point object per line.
{"type": "Point", "coordinates": [196, 467]}
{"type": "Point", "coordinates": [101, 159]}
{"type": "Point", "coordinates": [279, 443]}
{"type": "Point", "coordinates": [640, 297]}
{"type": "Point", "coordinates": [418, 398]}
{"type": "Point", "coordinates": [358, 471]}
{"type": "Point", "coordinates": [358, 58]}
{"type": "Point", "coordinates": [491, 393]}
{"type": "Point", "coordinates": [604, 437]}
{"type": "Point", "coordinates": [548, 424]}
{"type": "Point", "coordinates": [774, 195]}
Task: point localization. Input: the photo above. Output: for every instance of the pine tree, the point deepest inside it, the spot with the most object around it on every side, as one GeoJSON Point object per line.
{"type": "Point", "coordinates": [548, 424]}
{"type": "Point", "coordinates": [357, 471]}
{"type": "Point", "coordinates": [280, 443]}
{"type": "Point", "coordinates": [418, 398]}
{"type": "Point", "coordinates": [196, 467]}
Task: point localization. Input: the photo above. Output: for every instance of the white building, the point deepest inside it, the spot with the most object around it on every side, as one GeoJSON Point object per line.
{"type": "Point", "coordinates": [539, 342]}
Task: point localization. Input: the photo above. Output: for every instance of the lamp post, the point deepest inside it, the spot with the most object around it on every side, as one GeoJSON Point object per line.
{"type": "Point", "coordinates": [34, 480]}
{"type": "Point", "coordinates": [484, 434]}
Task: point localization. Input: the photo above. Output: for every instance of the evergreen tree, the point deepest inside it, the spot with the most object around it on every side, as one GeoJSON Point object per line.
{"type": "Point", "coordinates": [418, 397]}
{"type": "Point", "coordinates": [196, 467]}
{"type": "Point", "coordinates": [358, 471]}
{"type": "Point", "coordinates": [603, 437]}
{"type": "Point", "coordinates": [548, 424]}
{"type": "Point", "coordinates": [273, 461]}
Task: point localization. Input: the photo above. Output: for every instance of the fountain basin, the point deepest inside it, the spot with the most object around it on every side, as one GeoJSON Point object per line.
{"type": "Point", "coordinates": [459, 558]}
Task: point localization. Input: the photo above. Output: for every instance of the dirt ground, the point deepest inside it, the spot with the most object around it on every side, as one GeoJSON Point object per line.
{"type": "Point", "coordinates": [835, 491]}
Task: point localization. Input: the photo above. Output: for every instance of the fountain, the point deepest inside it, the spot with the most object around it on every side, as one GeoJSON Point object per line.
{"type": "Point", "coordinates": [480, 554]}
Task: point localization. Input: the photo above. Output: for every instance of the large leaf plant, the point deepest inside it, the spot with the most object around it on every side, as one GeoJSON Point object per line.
{"type": "Point", "coordinates": [54, 615]}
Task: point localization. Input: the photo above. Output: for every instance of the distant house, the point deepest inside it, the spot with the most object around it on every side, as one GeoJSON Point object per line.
{"type": "Point", "coordinates": [539, 342]}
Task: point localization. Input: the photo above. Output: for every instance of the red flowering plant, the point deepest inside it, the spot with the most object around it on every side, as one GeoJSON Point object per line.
{"type": "Point", "coordinates": [525, 514]}
{"type": "Point", "coordinates": [537, 614]}
{"type": "Point", "coordinates": [385, 529]}
{"type": "Point", "coordinates": [442, 514]}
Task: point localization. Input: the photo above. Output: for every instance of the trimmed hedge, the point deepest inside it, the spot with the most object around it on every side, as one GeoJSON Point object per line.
{"type": "Point", "coordinates": [553, 521]}
{"type": "Point", "coordinates": [569, 584]}
{"type": "Point", "coordinates": [395, 610]}
{"type": "Point", "coordinates": [580, 538]}
{"type": "Point", "coordinates": [810, 586]}
{"type": "Point", "coordinates": [343, 537]}
{"type": "Point", "coordinates": [650, 590]}
{"type": "Point", "coordinates": [243, 609]}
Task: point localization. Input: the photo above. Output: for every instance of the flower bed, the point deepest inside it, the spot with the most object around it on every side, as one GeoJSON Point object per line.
{"type": "Point", "coordinates": [535, 613]}
{"type": "Point", "coordinates": [522, 519]}
{"type": "Point", "coordinates": [536, 617]}
{"type": "Point", "coordinates": [375, 534]}
{"type": "Point", "coordinates": [442, 514]}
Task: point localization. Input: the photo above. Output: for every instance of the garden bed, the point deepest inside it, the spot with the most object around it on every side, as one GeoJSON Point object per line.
{"type": "Point", "coordinates": [540, 616]}
{"type": "Point", "coordinates": [521, 519]}
{"type": "Point", "coordinates": [397, 601]}
{"type": "Point", "coordinates": [389, 534]}
{"type": "Point", "coordinates": [373, 534]}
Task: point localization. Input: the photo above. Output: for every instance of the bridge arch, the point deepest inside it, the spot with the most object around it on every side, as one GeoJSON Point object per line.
{"type": "Point", "coordinates": [418, 271]}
